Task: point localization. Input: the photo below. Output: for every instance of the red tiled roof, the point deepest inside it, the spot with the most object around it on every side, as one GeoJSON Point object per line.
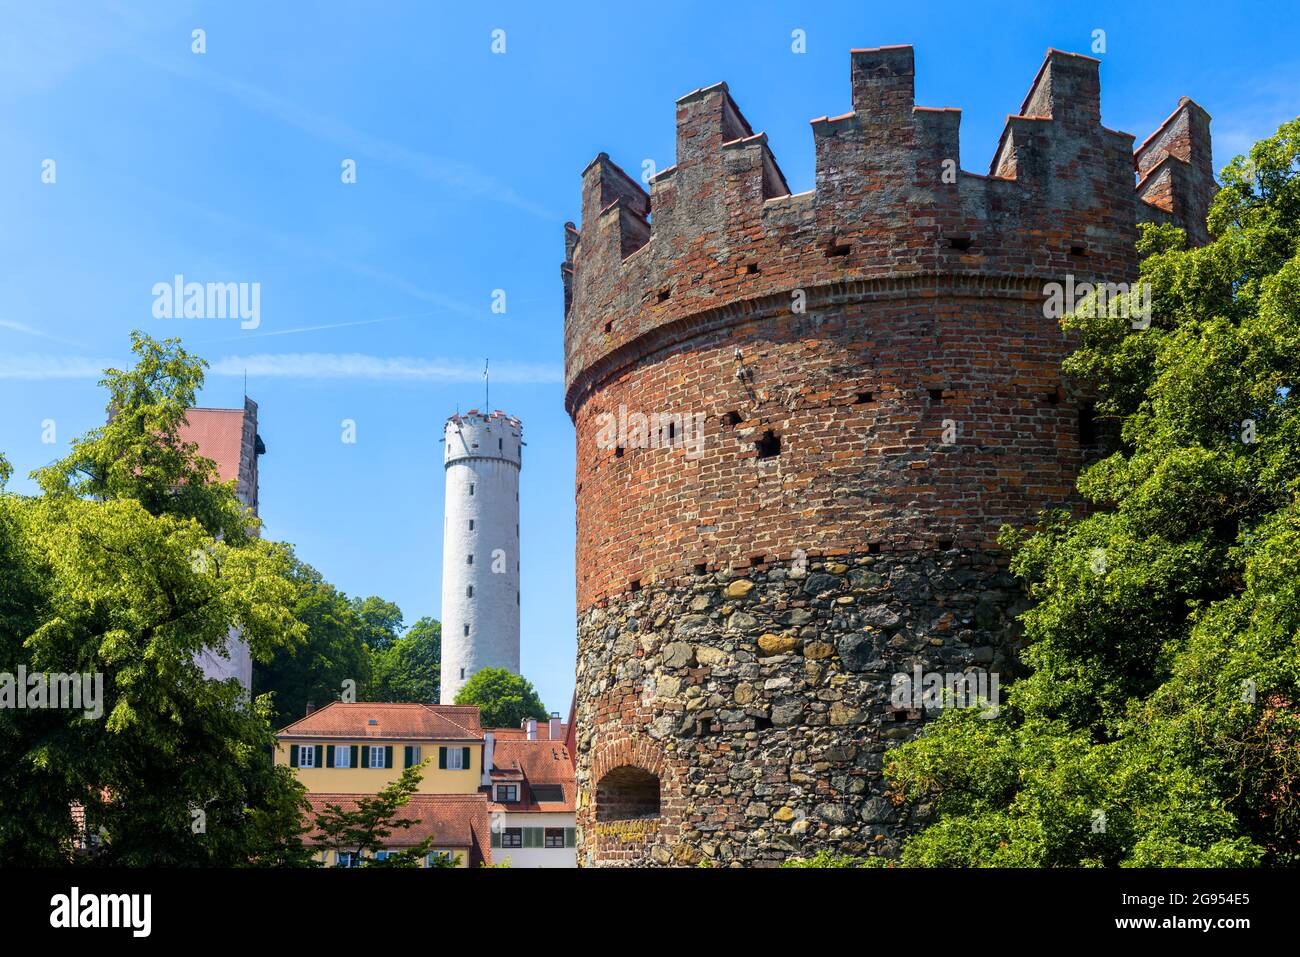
{"type": "Point", "coordinates": [423, 722]}
{"type": "Point", "coordinates": [452, 820]}
{"type": "Point", "coordinates": [539, 762]}
{"type": "Point", "coordinates": [519, 734]}
{"type": "Point", "coordinates": [219, 434]}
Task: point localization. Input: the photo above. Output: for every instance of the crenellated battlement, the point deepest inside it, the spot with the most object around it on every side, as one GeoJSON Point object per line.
{"type": "Point", "coordinates": [891, 203]}
{"type": "Point", "coordinates": [874, 387]}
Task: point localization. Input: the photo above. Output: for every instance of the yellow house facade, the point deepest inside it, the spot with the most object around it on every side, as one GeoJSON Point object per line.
{"type": "Point", "coordinates": [362, 748]}
{"type": "Point", "coordinates": [347, 750]}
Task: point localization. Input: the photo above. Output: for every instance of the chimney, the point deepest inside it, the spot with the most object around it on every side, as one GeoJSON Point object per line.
{"type": "Point", "coordinates": [555, 726]}
{"type": "Point", "coordinates": [530, 726]}
{"type": "Point", "coordinates": [489, 758]}
{"type": "Point", "coordinates": [311, 706]}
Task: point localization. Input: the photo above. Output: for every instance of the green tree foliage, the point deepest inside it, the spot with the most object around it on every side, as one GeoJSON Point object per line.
{"type": "Point", "coordinates": [131, 562]}
{"type": "Point", "coordinates": [366, 829]}
{"type": "Point", "coordinates": [1158, 724]}
{"type": "Point", "coordinates": [504, 699]}
{"type": "Point", "coordinates": [332, 652]}
{"type": "Point", "coordinates": [380, 622]}
{"type": "Point", "coordinates": [408, 669]}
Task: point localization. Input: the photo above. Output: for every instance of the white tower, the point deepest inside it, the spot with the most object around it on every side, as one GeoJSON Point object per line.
{"type": "Point", "coordinates": [480, 547]}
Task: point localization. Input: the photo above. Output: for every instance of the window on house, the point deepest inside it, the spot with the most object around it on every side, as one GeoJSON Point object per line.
{"type": "Point", "coordinates": [343, 757]}
{"type": "Point", "coordinates": [555, 837]}
{"type": "Point", "coordinates": [547, 792]}
{"type": "Point", "coordinates": [462, 670]}
{"type": "Point", "coordinates": [469, 559]}
{"type": "Point", "coordinates": [471, 524]}
{"type": "Point", "coordinates": [512, 837]}
{"type": "Point", "coordinates": [433, 858]}
{"type": "Point", "coordinates": [385, 855]}
{"type": "Point", "coordinates": [469, 591]}
{"type": "Point", "coordinates": [471, 488]}
{"type": "Point", "coordinates": [306, 756]}
{"type": "Point", "coordinates": [377, 756]}
{"type": "Point", "coordinates": [508, 793]}
{"type": "Point", "coordinates": [349, 859]}
{"type": "Point", "coordinates": [455, 758]}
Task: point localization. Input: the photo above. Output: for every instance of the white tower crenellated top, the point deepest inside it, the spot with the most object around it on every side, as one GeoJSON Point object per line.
{"type": "Point", "coordinates": [480, 547]}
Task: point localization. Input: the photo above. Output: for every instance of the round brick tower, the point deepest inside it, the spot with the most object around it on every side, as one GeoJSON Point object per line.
{"type": "Point", "coordinates": [801, 420]}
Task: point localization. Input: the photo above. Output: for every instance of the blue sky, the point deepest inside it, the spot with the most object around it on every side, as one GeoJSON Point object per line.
{"type": "Point", "coordinates": [225, 166]}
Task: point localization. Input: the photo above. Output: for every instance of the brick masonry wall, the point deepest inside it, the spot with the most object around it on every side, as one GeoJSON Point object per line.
{"type": "Point", "coordinates": [880, 389]}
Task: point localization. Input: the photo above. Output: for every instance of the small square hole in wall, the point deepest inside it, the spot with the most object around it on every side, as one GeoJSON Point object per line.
{"type": "Point", "coordinates": [873, 548]}
{"type": "Point", "coordinates": [618, 452]}
{"type": "Point", "coordinates": [945, 544]}
{"type": "Point", "coordinates": [732, 419]}
{"type": "Point", "coordinates": [635, 584]}
{"type": "Point", "coordinates": [835, 249]}
{"type": "Point", "coordinates": [752, 269]}
{"type": "Point", "coordinates": [609, 326]}
{"type": "Point", "coordinates": [769, 445]}
{"type": "Point", "coordinates": [1078, 250]}
{"type": "Point", "coordinates": [959, 243]}
{"type": "Point", "coordinates": [1053, 397]}
{"type": "Point", "coordinates": [756, 561]}
{"type": "Point", "coordinates": [664, 295]}
{"type": "Point", "coordinates": [936, 395]}
{"type": "Point", "coordinates": [1089, 435]}
{"type": "Point", "coordinates": [701, 568]}
{"type": "Point", "coordinates": [862, 398]}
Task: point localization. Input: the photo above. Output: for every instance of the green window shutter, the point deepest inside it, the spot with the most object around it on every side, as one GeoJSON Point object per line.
{"type": "Point", "coordinates": [442, 758]}
{"type": "Point", "coordinates": [464, 761]}
{"type": "Point", "coordinates": [365, 755]}
{"type": "Point", "coordinates": [495, 839]}
{"type": "Point", "coordinates": [320, 756]}
{"type": "Point", "coordinates": [329, 755]}
{"type": "Point", "coordinates": [293, 755]}
{"type": "Point", "coordinates": [406, 756]}
{"type": "Point", "coordinates": [534, 837]}
{"type": "Point", "coordinates": [570, 837]}
{"type": "Point", "coordinates": [356, 759]}
{"type": "Point", "coordinates": [388, 756]}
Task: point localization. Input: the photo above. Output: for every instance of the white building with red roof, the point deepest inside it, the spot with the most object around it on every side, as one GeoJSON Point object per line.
{"type": "Point", "coordinates": [532, 795]}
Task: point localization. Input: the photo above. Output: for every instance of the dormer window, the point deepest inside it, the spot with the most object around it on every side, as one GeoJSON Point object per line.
{"type": "Point", "coordinates": [507, 793]}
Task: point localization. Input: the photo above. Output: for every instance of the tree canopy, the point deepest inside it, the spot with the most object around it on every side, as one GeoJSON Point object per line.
{"type": "Point", "coordinates": [1158, 723]}
{"type": "Point", "coordinates": [504, 699]}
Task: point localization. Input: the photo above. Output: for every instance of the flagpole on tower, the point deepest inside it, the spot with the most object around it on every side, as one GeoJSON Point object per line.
{"type": "Point", "coordinates": [487, 400]}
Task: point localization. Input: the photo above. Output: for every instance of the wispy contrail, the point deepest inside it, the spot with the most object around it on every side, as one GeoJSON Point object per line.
{"type": "Point", "coordinates": [30, 331]}
{"type": "Point", "coordinates": [355, 365]}
{"type": "Point", "coordinates": [51, 367]}
{"type": "Point", "coordinates": [330, 325]}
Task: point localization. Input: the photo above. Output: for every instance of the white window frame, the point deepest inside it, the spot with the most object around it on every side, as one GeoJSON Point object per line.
{"type": "Point", "coordinates": [376, 755]}
{"type": "Point", "coordinates": [455, 759]}
{"type": "Point", "coordinates": [342, 756]}
{"type": "Point", "coordinates": [306, 755]}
